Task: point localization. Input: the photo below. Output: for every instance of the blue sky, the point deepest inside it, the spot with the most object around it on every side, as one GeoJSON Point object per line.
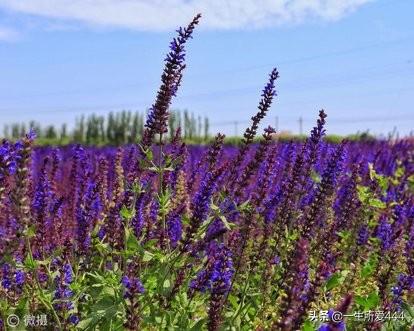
{"type": "Point", "coordinates": [354, 58]}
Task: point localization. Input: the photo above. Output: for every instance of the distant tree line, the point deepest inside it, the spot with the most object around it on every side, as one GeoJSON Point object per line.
{"type": "Point", "coordinates": [114, 129]}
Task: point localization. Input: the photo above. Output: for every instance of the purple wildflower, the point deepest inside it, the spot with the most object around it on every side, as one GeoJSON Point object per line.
{"type": "Point", "coordinates": [63, 293]}
{"type": "Point", "coordinates": [265, 103]}
{"type": "Point", "coordinates": [19, 277]}
{"type": "Point", "coordinates": [157, 121]}
{"type": "Point", "coordinates": [404, 283]}
{"type": "Point", "coordinates": [133, 286]}
{"type": "Point", "coordinates": [174, 229]}
{"type": "Point", "coordinates": [67, 274]}
{"type": "Point", "coordinates": [363, 235]}
{"type": "Point", "coordinates": [384, 234]}
{"type": "Point", "coordinates": [6, 280]}
{"type": "Point", "coordinates": [218, 273]}
{"type": "Point", "coordinates": [74, 319]}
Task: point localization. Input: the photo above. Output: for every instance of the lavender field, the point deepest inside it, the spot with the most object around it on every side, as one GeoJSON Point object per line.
{"type": "Point", "coordinates": [159, 235]}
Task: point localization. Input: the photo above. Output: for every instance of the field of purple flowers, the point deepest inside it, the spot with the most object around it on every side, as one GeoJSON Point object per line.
{"type": "Point", "coordinates": [163, 236]}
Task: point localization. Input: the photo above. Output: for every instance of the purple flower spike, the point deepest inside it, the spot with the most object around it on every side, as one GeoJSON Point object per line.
{"type": "Point", "coordinates": [74, 319]}
{"type": "Point", "coordinates": [19, 277]}
{"type": "Point", "coordinates": [170, 81]}
{"type": "Point", "coordinates": [133, 286]}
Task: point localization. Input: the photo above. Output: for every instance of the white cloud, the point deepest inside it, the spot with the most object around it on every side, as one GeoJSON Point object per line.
{"type": "Point", "coordinates": [8, 34]}
{"type": "Point", "coordinates": [166, 14]}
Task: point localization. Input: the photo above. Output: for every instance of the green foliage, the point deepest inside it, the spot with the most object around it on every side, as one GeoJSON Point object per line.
{"type": "Point", "coordinates": [370, 266]}
{"type": "Point", "coordinates": [104, 306]}
{"type": "Point", "coordinates": [368, 302]}
{"type": "Point", "coordinates": [368, 198]}
{"type": "Point", "coordinates": [337, 279]}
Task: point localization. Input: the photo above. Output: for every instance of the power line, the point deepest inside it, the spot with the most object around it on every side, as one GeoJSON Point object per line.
{"type": "Point", "coordinates": [329, 82]}
{"type": "Point", "coordinates": [324, 55]}
{"type": "Point", "coordinates": [366, 74]}
{"type": "Point", "coordinates": [351, 120]}
{"type": "Point", "coordinates": [390, 72]}
{"type": "Point", "coordinates": [234, 70]}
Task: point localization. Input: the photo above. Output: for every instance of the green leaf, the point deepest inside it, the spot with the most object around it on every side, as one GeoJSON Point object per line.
{"type": "Point", "coordinates": [377, 203]}
{"type": "Point", "coordinates": [149, 155]}
{"type": "Point", "coordinates": [359, 300]}
{"type": "Point", "coordinates": [87, 323]}
{"type": "Point", "coordinates": [137, 188]}
{"type": "Point", "coordinates": [164, 199]}
{"type": "Point", "coordinates": [368, 302]}
{"type": "Point", "coordinates": [372, 172]}
{"type": "Point", "coordinates": [407, 309]}
{"type": "Point", "coordinates": [30, 232]}
{"type": "Point", "coordinates": [183, 299]}
{"type": "Point", "coordinates": [155, 169]}
{"type": "Point", "coordinates": [105, 303]}
{"type": "Point", "coordinates": [245, 206]}
{"type": "Point", "coordinates": [203, 228]}
{"type": "Point", "coordinates": [372, 300]}
{"type": "Point", "coordinates": [226, 223]}
{"type": "Point", "coordinates": [333, 281]}
{"type": "Point", "coordinates": [369, 266]}
{"type": "Point", "coordinates": [345, 234]}
{"type": "Point", "coordinates": [214, 207]}
{"type": "Point", "coordinates": [233, 301]}
{"type": "Point", "coordinates": [132, 242]}
{"type": "Point", "coordinates": [307, 326]}
{"type": "Point", "coordinates": [167, 284]}
{"type": "Point", "coordinates": [127, 214]}
{"type": "Point", "coordinates": [147, 256]}
{"type": "Point", "coordinates": [399, 172]}
{"type": "Point", "coordinates": [22, 308]}
{"type": "Point", "coordinates": [363, 193]}
{"type": "Point", "coordinates": [315, 177]}
{"type": "Point", "coordinates": [108, 291]}
{"type": "Point", "coordinates": [382, 180]}
{"type": "Point", "coordinates": [29, 262]}
{"type": "Point", "coordinates": [158, 319]}
{"type": "Point", "coordinates": [198, 326]}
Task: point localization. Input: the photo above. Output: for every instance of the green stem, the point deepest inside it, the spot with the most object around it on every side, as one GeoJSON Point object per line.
{"type": "Point", "coordinates": [126, 226]}
{"type": "Point", "coordinates": [48, 305]}
{"type": "Point", "coordinates": [160, 167]}
{"type": "Point", "coordinates": [242, 299]}
{"type": "Point", "coordinates": [183, 319]}
{"type": "Point", "coordinates": [161, 192]}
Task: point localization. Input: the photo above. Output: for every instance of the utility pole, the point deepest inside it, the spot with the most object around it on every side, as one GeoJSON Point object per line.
{"type": "Point", "coordinates": [300, 125]}
{"type": "Point", "coordinates": [277, 123]}
{"type": "Point", "coordinates": [236, 131]}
